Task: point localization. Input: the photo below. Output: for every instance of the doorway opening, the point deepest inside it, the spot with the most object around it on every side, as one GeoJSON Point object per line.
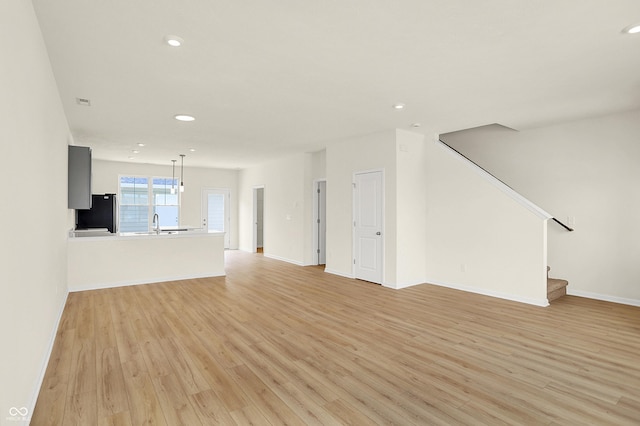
{"type": "Point", "coordinates": [320, 222]}
{"type": "Point", "coordinates": [258, 219]}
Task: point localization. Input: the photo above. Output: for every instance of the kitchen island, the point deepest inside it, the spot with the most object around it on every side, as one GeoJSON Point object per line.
{"type": "Point", "coordinates": [115, 260]}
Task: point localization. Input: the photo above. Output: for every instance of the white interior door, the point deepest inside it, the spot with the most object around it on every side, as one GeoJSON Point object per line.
{"type": "Point", "coordinates": [368, 226]}
{"type": "Point", "coordinates": [216, 215]}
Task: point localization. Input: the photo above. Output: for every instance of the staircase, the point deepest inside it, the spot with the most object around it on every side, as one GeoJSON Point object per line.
{"type": "Point", "coordinates": [555, 288]}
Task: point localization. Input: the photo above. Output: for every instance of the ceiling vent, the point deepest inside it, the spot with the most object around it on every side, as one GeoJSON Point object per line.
{"type": "Point", "coordinates": [83, 101]}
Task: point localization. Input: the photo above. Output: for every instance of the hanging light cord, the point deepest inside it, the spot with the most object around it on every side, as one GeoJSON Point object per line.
{"type": "Point", "coordinates": [182, 172]}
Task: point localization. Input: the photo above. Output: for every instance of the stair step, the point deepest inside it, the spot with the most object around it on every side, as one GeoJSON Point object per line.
{"type": "Point", "coordinates": [556, 288]}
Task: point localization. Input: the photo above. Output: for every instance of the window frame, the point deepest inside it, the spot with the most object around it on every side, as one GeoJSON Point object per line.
{"type": "Point", "coordinates": [151, 205]}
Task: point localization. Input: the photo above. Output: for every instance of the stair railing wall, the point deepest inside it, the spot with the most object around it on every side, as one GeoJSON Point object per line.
{"type": "Point", "coordinates": [496, 178]}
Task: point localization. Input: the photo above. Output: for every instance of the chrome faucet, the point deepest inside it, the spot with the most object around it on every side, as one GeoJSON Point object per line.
{"type": "Point", "coordinates": [156, 222]}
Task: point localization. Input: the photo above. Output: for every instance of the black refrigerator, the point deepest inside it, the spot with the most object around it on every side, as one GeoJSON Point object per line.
{"type": "Point", "coordinates": [102, 214]}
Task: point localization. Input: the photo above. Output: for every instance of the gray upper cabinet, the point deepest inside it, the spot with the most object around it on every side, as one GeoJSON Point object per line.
{"type": "Point", "coordinates": [79, 177]}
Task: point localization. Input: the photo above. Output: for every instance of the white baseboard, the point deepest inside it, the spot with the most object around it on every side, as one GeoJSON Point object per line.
{"type": "Point", "coordinates": [283, 259]}
{"type": "Point", "coordinates": [537, 302]}
{"type": "Point", "coordinates": [45, 362]}
{"type": "Point", "coordinates": [603, 297]}
{"type": "Point", "coordinates": [400, 286]}
{"type": "Point", "coordinates": [338, 273]}
{"type": "Point", "coordinates": [99, 286]}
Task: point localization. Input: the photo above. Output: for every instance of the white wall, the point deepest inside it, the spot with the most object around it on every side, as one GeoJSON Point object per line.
{"type": "Point", "coordinates": [105, 180]}
{"type": "Point", "coordinates": [587, 169]}
{"type": "Point", "coordinates": [34, 137]}
{"type": "Point", "coordinates": [479, 239]}
{"type": "Point", "coordinates": [343, 159]}
{"type": "Point", "coordinates": [285, 210]}
{"type": "Point", "coordinates": [319, 164]}
{"type": "Point", "coordinates": [411, 208]}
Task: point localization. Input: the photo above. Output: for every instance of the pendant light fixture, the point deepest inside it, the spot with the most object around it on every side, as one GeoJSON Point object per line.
{"type": "Point", "coordinates": [182, 172]}
{"type": "Point", "coordinates": [173, 177]}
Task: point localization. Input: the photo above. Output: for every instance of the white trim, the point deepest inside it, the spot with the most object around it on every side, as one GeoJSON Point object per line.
{"type": "Point", "coordinates": [338, 273]}
{"type": "Point", "coordinates": [533, 208]}
{"type": "Point", "coordinates": [603, 297]}
{"type": "Point", "coordinates": [401, 286]}
{"type": "Point", "coordinates": [127, 283]}
{"type": "Point", "coordinates": [537, 302]}
{"type": "Point", "coordinates": [43, 369]}
{"type": "Point", "coordinates": [283, 259]}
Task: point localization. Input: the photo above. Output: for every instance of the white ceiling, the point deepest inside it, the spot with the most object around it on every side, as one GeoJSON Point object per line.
{"type": "Point", "coordinates": [265, 78]}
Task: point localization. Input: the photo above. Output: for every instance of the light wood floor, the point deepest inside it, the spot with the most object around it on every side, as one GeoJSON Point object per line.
{"type": "Point", "coordinates": [273, 343]}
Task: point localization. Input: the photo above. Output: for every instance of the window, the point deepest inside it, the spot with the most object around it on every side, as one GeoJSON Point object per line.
{"type": "Point", "coordinates": [139, 201]}
{"type": "Point", "coordinates": [215, 213]}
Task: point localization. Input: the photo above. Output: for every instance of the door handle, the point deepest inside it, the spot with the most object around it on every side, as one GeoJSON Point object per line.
{"type": "Point", "coordinates": [378, 233]}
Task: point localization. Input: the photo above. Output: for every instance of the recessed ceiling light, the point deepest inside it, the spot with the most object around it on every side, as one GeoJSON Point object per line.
{"type": "Point", "coordinates": [632, 29]}
{"type": "Point", "coordinates": [140, 144]}
{"type": "Point", "coordinates": [131, 158]}
{"type": "Point", "coordinates": [398, 106]}
{"type": "Point", "coordinates": [173, 40]}
{"type": "Point", "coordinates": [184, 117]}
{"type": "Point", "coordinates": [415, 125]}
{"type": "Point", "coordinates": [192, 149]}
{"type": "Point", "coordinates": [135, 151]}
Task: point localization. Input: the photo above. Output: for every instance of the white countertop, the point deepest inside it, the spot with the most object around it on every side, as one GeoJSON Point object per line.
{"type": "Point", "coordinates": [104, 235]}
